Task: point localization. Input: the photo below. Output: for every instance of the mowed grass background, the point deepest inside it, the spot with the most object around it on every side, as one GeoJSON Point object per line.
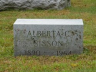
{"type": "Point", "coordinates": [86, 62]}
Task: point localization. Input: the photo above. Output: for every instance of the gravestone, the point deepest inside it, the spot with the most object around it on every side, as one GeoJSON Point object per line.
{"type": "Point", "coordinates": [34, 4]}
{"type": "Point", "coordinates": [55, 37]}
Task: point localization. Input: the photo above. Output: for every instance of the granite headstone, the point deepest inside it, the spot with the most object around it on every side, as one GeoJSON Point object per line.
{"type": "Point", "coordinates": [55, 37]}
{"type": "Point", "coordinates": [34, 4]}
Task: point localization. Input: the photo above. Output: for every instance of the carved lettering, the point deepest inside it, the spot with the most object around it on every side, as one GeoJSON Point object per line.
{"type": "Point", "coordinates": [53, 39]}
{"type": "Point", "coordinates": [31, 52]}
{"type": "Point", "coordinates": [60, 53]}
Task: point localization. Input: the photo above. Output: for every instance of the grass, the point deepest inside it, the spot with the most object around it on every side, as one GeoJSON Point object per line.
{"type": "Point", "coordinates": [86, 62]}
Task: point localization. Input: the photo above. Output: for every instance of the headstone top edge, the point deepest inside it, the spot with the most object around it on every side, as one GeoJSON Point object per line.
{"type": "Point", "coordinates": [49, 22]}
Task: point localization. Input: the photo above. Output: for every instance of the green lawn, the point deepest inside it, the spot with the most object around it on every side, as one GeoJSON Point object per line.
{"type": "Point", "coordinates": [86, 62]}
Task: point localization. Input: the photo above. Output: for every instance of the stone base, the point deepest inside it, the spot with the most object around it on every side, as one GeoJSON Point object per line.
{"type": "Point", "coordinates": [34, 4]}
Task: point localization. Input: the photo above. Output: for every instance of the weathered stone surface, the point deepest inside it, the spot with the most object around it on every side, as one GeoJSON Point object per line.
{"type": "Point", "coordinates": [48, 37]}
{"type": "Point", "coordinates": [32, 4]}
